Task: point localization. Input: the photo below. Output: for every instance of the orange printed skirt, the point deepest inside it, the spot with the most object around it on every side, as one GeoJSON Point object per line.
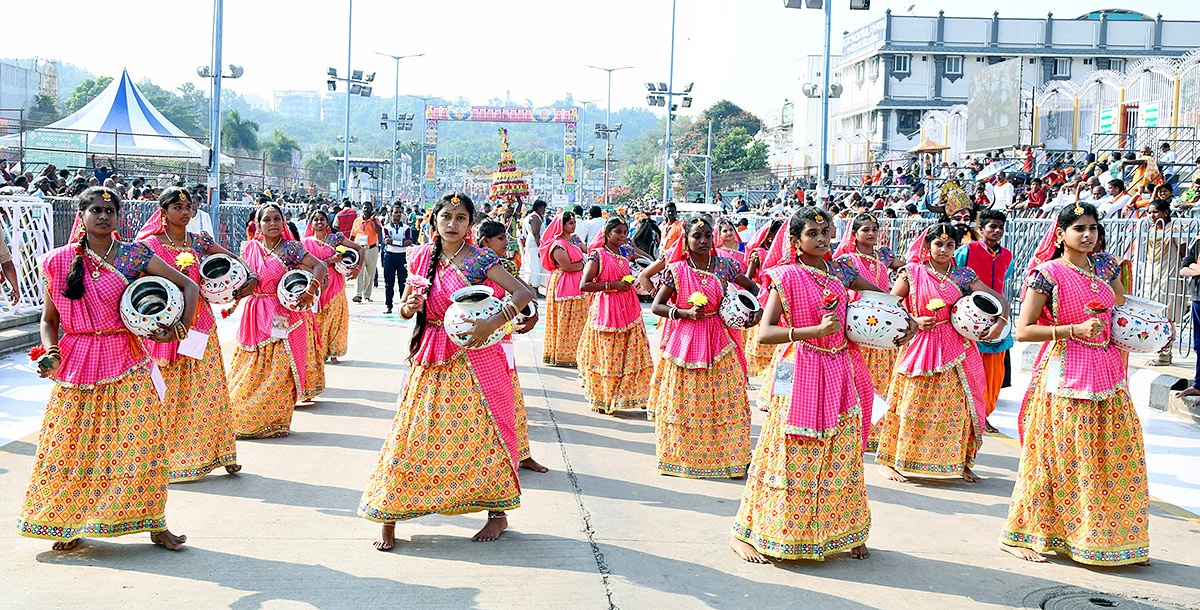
{"type": "Point", "coordinates": [615, 368]}
{"type": "Point", "coordinates": [805, 498]}
{"type": "Point", "coordinates": [314, 363]}
{"type": "Point", "coordinates": [758, 355]}
{"type": "Point", "coordinates": [929, 429]}
{"type": "Point", "coordinates": [522, 419]}
{"type": "Point", "coordinates": [880, 363]}
{"type": "Point", "coordinates": [565, 320]}
{"type": "Point", "coordinates": [262, 390]}
{"type": "Point", "coordinates": [333, 324]}
{"type": "Point", "coordinates": [444, 454]}
{"type": "Point", "coordinates": [701, 419]}
{"type": "Point", "coordinates": [197, 418]}
{"type": "Point", "coordinates": [101, 464]}
{"type": "Point", "coordinates": [1081, 487]}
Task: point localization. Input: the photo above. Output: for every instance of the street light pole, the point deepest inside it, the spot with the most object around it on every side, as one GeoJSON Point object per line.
{"type": "Point", "coordinates": [823, 174]}
{"type": "Point", "coordinates": [396, 110]}
{"type": "Point", "coordinates": [346, 152]}
{"type": "Point", "coordinates": [670, 111]}
{"type": "Point", "coordinates": [608, 119]}
{"type": "Point", "coordinates": [214, 107]}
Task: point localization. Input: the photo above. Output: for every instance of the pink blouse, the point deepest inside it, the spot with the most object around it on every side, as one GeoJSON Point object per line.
{"type": "Point", "coordinates": [324, 250]}
{"type": "Point", "coordinates": [697, 345]}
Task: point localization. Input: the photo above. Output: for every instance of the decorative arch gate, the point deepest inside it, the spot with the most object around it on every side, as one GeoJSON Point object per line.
{"type": "Point", "coordinates": [567, 117]}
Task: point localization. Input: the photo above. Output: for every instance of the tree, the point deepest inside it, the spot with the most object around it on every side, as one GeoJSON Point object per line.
{"type": "Point", "coordinates": [738, 152]}
{"type": "Point", "coordinates": [44, 110]}
{"type": "Point", "coordinates": [239, 134]}
{"type": "Point", "coordinates": [279, 153]}
{"type": "Point", "coordinates": [620, 195]}
{"type": "Point", "coordinates": [179, 112]}
{"type": "Point", "coordinates": [643, 180]}
{"type": "Point", "coordinates": [84, 93]}
{"type": "Point", "coordinates": [725, 117]}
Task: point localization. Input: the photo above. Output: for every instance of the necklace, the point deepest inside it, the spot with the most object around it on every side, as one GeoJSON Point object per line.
{"type": "Point", "coordinates": [1090, 273]}
{"type": "Point", "coordinates": [111, 245]}
{"type": "Point", "coordinates": [460, 249]}
{"type": "Point", "coordinates": [943, 281]}
{"type": "Point", "coordinates": [172, 242]}
{"type": "Point", "coordinates": [821, 277]}
{"type": "Point", "coordinates": [707, 269]}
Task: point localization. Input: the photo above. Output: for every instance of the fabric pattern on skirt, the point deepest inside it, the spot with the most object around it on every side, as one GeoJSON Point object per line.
{"type": "Point", "coordinates": [262, 390]}
{"type": "Point", "coordinates": [929, 429]}
{"type": "Point", "coordinates": [1081, 487]}
{"type": "Point", "coordinates": [701, 419]}
{"type": "Point", "coordinates": [197, 419]}
{"type": "Point", "coordinates": [758, 355]}
{"type": "Point", "coordinates": [101, 463]}
{"type": "Point", "coordinates": [565, 319]}
{"type": "Point", "coordinates": [522, 419]}
{"type": "Point", "coordinates": [805, 498]}
{"type": "Point", "coordinates": [880, 363]}
{"type": "Point", "coordinates": [444, 454]}
{"type": "Point", "coordinates": [314, 376]}
{"type": "Point", "coordinates": [333, 324]}
{"type": "Point", "coordinates": [615, 368]}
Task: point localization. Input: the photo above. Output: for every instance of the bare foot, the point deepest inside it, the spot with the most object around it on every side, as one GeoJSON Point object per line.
{"type": "Point", "coordinates": [169, 540]}
{"type": "Point", "coordinates": [891, 474]}
{"type": "Point", "coordinates": [233, 468]}
{"type": "Point", "coordinates": [860, 552]}
{"type": "Point", "coordinates": [491, 530]}
{"type": "Point", "coordinates": [765, 409]}
{"type": "Point", "coordinates": [969, 476]}
{"type": "Point", "coordinates": [988, 427]}
{"type": "Point", "coordinates": [530, 464]}
{"type": "Point", "coordinates": [279, 435]}
{"type": "Point", "coordinates": [747, 552]}
{"type": "Point", "coordinates": [387, 537]}
{"type": "Point", "coordinates": [1188, 393]}
{"type": "Point", "coordinates": [1023, 553]}
{"type": "Point", "coordinates": [66, 545]}
{"type": "Point", "coordinates": [334, 360]}
{"type": "Point", "coordinates": [1145, 563]}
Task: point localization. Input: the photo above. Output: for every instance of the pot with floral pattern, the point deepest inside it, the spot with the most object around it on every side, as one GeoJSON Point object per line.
{"type": "Point", "coordinates": [292, 286]}
{"type": "Point", "coordinates": [345, 260]}
{"type": "Point", "coordinates": [876, 320]}
{"type": "Point", "coordinates": [974, 314]}
{"type": "Point", "coordinates": [148, 302]}
{"type": "Point", "coordinates": [220, 276]}
{"type": "Point", "coordinates": [738, 307]}
{"type": "Point", "coordinates": [472, 304]}
{"type": "Point", "coordinates": [1140, 326]}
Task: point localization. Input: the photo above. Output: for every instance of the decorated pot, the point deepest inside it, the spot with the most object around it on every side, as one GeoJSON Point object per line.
{"type": "Point", "coordinates": [346, 262]}
{"type": "Point", "coordinates": [471, 304]}
{"type": "Point", "coordinates": [220, 276]}
{"type": "Point", "coordinates": [150, 301]}
{"type": "Point", "coordinates": [1139, 326]}
{"type": "Point", "coordinates": [738, 307]}
{"type": "Point", "coordinates": [876, 320]}
{"type": "Point", "coordinates": [636, 267]}
{"type": "Point", "coordinates": [292, 286]}
{"type": "Point", "coordinates": [974, 314]}
{"type": "Point", "coordinates": [530, 310]}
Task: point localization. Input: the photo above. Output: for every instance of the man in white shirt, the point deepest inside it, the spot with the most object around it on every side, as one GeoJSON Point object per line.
{"type": "Point", "coordinates": [1118, 197]}
{"type": "Point", "coordinates": [587, 230]}
{"type": "Point", "coordinates": [1002, 193]}
{"type": "Point", "coordinates": [745, 233]}
{"type": "Point", "coordinates": [201, 221]}
{"type": "Point", "coordinates": [397, 237]}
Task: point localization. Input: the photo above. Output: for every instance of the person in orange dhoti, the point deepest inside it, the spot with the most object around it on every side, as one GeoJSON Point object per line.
{"type": "Point", "coordinates": [993, 264]}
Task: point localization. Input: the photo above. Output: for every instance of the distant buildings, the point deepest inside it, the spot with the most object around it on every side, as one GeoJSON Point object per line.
{"type": "Point", "coordinates": [304, 105]}
{"type": "Point", "coordinates": [18, 86]}
{"type": "Point", "coordinates": [333, 108]}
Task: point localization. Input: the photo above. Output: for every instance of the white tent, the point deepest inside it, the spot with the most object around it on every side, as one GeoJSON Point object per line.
{"type": "Point", "coordinates": [120, 120]}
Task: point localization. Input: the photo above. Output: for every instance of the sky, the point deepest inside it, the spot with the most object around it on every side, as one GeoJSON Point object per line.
{"type": "Point", "coordinates": [741, 50]}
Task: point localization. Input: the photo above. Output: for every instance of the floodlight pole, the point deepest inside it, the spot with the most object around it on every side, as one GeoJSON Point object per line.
{"type": "Point", "coordinates": [608, 122]}
{"type": "Point", "coordinates": [670, 98]}
{"type": "Point", "coordinates": [823, 170]}
{"type": "Point", "coordinates": [345, 185]}
{"type": "Point", "coordinates": [214, 108]}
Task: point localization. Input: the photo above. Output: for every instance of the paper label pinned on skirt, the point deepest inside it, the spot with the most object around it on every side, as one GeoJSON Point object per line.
{"type": "Point", "coordinates": [160, 384]}
{"type": "Point", "coordinates": [509, 355]}
{"type": "Point", "coordinates": [193, 346]}
{"type": "Point", "coordinates": [279, 327]}
{"type": "Point", "coordinates": [785, 372]}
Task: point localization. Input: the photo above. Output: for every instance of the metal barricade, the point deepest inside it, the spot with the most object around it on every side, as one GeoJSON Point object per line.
{"type": "Point", "coordinates": [28, 228]}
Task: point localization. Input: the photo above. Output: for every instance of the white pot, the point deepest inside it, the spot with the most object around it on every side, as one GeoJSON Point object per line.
{"type": "Point", "coordinates": [148, 302]}
{"type": "Point", "coordinates": [220, 276]}
{"type": "Point", "coordinates": [738, 307]}
{"type": "Point", "coordinates": [974, 314]}
{"type": "Point", "coordinates": [1140, 326]}
{"type": "Point", "coordinates": [876, 320]}
{"type": "Point", "coordinates": [471, 304]}
{"type": "Point", "coordinates": [291, 287]}
{"type": "Point", "coordinates": [346, 262]}
{"type": "Point", "coordinates": [530, 310]}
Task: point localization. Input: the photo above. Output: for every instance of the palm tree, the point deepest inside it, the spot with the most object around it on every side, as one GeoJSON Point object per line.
{"type": "Point", "coordinates": [279, 153]}
{"type": "Point", "coordinates": [238, 133]}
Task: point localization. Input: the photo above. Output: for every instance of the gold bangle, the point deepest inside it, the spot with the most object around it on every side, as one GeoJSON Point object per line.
{"type": "Point", "coordinates": [791, 338]}
{"type": "Point", "coordinates": [1054, 332]}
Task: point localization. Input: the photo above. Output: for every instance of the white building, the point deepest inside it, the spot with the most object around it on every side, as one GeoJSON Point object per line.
{"type": "Point", "coordinates": [18, 86]}
{"type": "Point", "coordinates": [900, 66]}
{"type": "Point", "coordinates": [333, 108]}
{"type": "Point", "coordinates": [806, 111]}
{"type": "Point", "coordinates": [304, 105]}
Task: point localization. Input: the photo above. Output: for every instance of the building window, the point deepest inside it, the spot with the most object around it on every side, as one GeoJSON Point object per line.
{"type": "Point", "coordinates": [1116, 65]}
{"type": "Point", "coordinates": [954, 65]}
{"type": "Point", "coordinates": [908, 121]}
{"type": "Point", "coordinates": [860, 70]}
{"type": "Point", "coordinates": [858, 121]}
{"type": "Point", "coordinates": [1062, 68]}
{"type": "Point", "coordinates": [902, 64]}
{"type": "Point", "coordinates": [873, 70]}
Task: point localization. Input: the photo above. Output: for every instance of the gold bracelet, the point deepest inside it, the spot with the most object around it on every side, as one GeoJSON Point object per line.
{"type": "Point", "coordinates": [791, 339]}
{"type": "Point", "coordinates": [1071, 328]}
{"type": "Point", "coordinates": [1054, 332]}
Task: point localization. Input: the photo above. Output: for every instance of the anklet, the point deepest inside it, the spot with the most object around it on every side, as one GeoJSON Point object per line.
{"type": "Point", "coordinates": [497, 515]}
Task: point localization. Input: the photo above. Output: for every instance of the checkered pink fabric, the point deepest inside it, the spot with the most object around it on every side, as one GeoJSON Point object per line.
{"type": "Point", "coordinates": [697, 344]}
{"type": "Point", "coordinates": [204, 316]}
{"type": "Point", "coordinates": [260, 308]}
{"type": "Point", "coordinates": [831, 376]}
{"type": "Point", "coordinates": [324, 251]}
{"type": "Point", "coordinates": [96, 347]}
{"type": "Point", "coordinates": [613, 310]}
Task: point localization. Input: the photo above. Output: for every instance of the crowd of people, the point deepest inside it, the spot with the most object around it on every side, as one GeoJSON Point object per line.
{"type": "Point", "coordinates": [166, 409]}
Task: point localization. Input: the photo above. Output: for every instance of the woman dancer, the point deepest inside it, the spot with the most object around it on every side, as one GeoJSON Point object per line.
{"type": "Point", "coordinates": [197, 418]}
{"type": "Point", "coordinates": [74, 490]}
{"type": "Point", "coordinates": [453, 447]}
{"type": "Point", "coordinates": [698, 392]}
{"type": "Point", "coordinates": [758, 355]}
{"type": "Point", "coordinates": [860, 247]}
{"type": "Point", "coordinates": [614, 354]}
{"type": "Point", "coordinates": [934, 427]}
{"type": "Point", "coordinates": [566, 309]}
{"type": "Point", "coordinates": [333, 313]}
{"type": "Point", "coordinates": [490, 234]}
{"type": "Point", "coordinates": [269, 369]}
{"type": "Point", "coordinates": [1081, 487]}
{"type": "Point", "coordinates": [806, 497]}
{"type": "Point", "coordinates": [730, 241]}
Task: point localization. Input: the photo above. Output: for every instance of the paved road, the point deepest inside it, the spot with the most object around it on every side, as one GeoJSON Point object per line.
{"type": "Point", "coordinates": [601, 530]}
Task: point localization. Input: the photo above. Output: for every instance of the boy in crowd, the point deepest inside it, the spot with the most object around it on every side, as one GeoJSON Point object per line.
{"type": "Point", "coordinates": [993, 264]}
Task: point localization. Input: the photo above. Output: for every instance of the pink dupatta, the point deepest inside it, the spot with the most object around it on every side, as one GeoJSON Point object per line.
{"type": "Point", "coordinates": [697, 345]}
{"type": "Point", "coordinates": [325, 251]}
{"type": "Point", "coordinates": [262, 306]}
{"type": "Point", "coordinates": [613, 311]}
{"type": "Point", "coordinates": [568, 281]}
{"type": "Point", "coordinates": [204, 322]}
